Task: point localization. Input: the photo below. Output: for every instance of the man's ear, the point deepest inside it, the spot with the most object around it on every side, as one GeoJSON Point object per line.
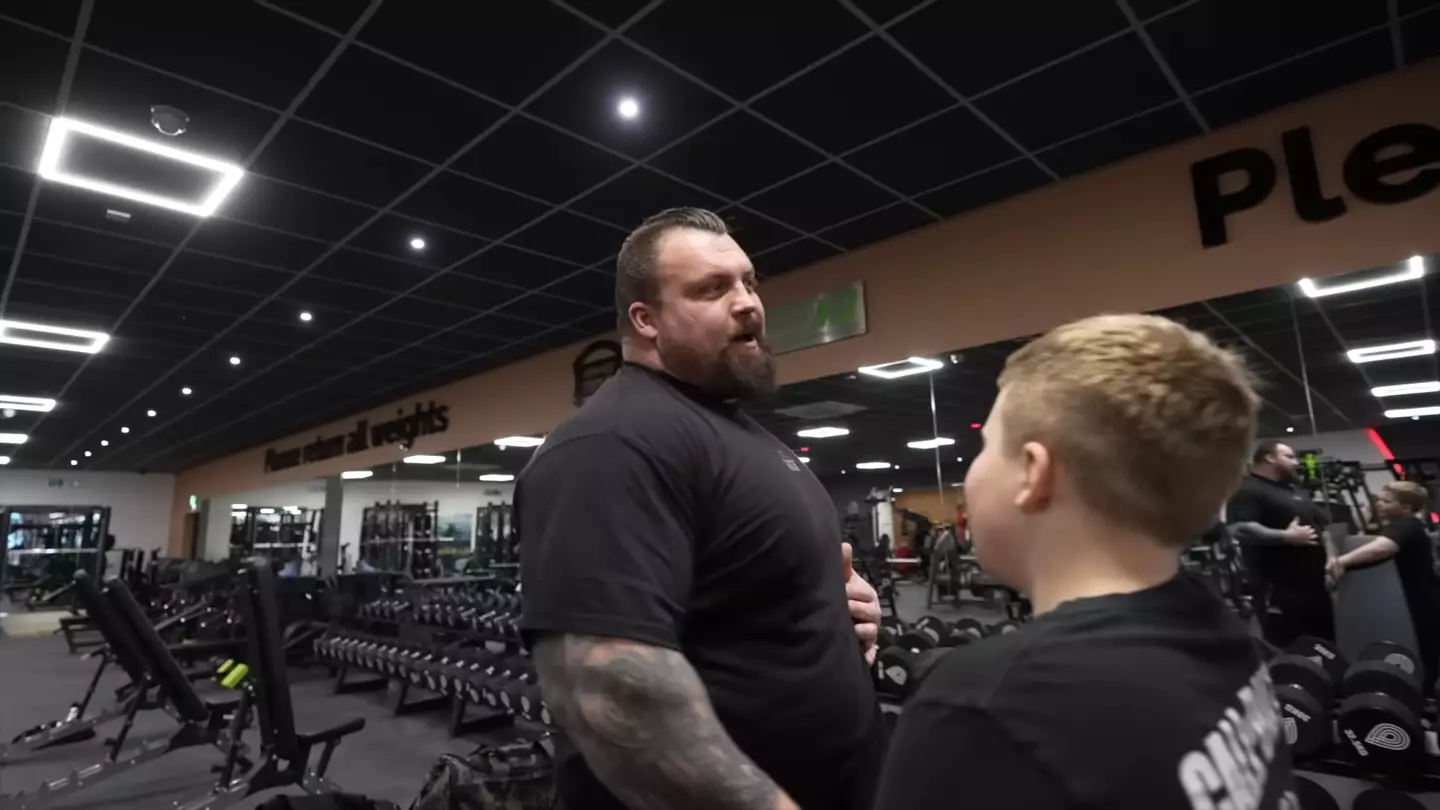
{"type": "Point", "coordinates": [642, 319]}
{"type": "Point", "coordinates": [1038, 486]}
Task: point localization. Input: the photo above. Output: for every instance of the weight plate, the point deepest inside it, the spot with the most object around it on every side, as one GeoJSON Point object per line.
{"type": "Point", "coordinates": [970, 627]}
{"type": "Point", "coordinates": [893, 669]}
{"type": "Point", "coordinates": [1312, 796]}
{"type": "Point", "coordinates": [1322, 652]}
{"type": "Point", "coordinates": [1004, 628]}
{"type": "Point", "coordinates": [1304, 673]}
{"type": "Point", "coordinates": [1395, 655]}
{"type": "Point", "coordinates": [1385, 799]}
{"type": "Point", "coordinates": [1366, 677]}
{"type": "Point", "coordinates": [916, 641]}
{"type": "Point", "coordinates": [1381, 732]}
{"type": "Point", "coordinates": [1305, 719]}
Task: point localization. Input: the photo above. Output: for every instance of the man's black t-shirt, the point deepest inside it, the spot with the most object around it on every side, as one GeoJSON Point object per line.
{"type": "Point", "coordinates": [1140, 701]}
{"type": "Point", "coordinates": [1273, 505]}
{"type": "Point", "coordinates": [1415, 563]}
{"type": "Point", "coordinates": [662, 515]}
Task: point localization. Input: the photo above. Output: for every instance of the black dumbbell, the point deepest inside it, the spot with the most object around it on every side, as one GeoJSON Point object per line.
{"type": "Point", "coordinates": [1003, 628]}
{"type": "Point", "coordinates": [940, 633]}
{"type": "Point", "coordinates": [1305, 693]}
{"type": "Point", "coordinates": [1322, 652]}
{"type": "Point", "coordinates": [893, 666]}
{"type": "Point", "coordinates": [1314, 797]}
{"type": "Point", "coordinates": [1379, 720]}
{"type": "Point", "coordinates": [890, 629]}
{"type": "Point", "coordinates": [972, 629]}
{"type": "Point", "coordinates": [1384, 799]}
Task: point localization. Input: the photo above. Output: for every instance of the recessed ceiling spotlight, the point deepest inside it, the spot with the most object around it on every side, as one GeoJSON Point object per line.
{"type": "Point", "coordinates": [959, 458]}
{"type": "Point", "coordinates": [306, 317]}
{"type": "Point", "coordinates": [186, 391]}
{"type": "Point", "coordinates": [149, 413]}
{"type": "Point", "coordinates": [124, 430]}
{"type": "Point", "coordinates": [897, 489]}
{"type": "Point", "coordinates": [628, 108]}
{"type": "Point", "coordinates": [87, 454]}
{"type": "Point", "coordinates": [416, 243]}
{"type": "Point", "coordinates": [804, 459]}
{"type": "Point", "coordinates": [104, 442]}
{"type": "Point", "coordinates": [1289, 430]}
{"type": "Point", "coordinates": [822, 432]}
{"type": "Point", "coordinates": [497, 478]}
{"type": "Point", "coordinates": [73, 462]}
{"type": "Point", "coordinates": [234, 360]}
{"type": "Point", "coordinates": [4, 460]}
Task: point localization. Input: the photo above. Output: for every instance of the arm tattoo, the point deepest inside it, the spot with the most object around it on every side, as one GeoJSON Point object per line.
{"type": "Point", "coordinates": [1254, 534]}
{"type": "Point", "coordinates": [643, 721]}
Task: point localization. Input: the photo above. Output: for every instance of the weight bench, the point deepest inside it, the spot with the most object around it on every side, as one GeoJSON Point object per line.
{"type": "Point", "coordinates": [138, 648]}
{"type": "Point", "coordinates": [285, 752]}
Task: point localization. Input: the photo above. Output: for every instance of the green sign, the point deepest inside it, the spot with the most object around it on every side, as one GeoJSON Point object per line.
{"type": "Point", "coordinates": [824, 318]}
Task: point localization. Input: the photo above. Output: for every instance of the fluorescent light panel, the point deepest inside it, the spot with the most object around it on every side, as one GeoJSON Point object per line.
{"type": "Point", "coordinates": [804, 459]}
{"type": "Point", "coordinates": [901, 368]}
{"type": "Point", "coordinates": [929, 444]}
{"type": "Point", "coordinates": [18, 403]}
{"type": "Point", "coordinates": [4, 460]}
{"type": "Point", "coordinates": [267, 511]}
{"type": "Point", "coordinates": [1392, 351]}
{"type": "Point", "coordinates": [822, 432]}
{"type": "Point", "coordinates": [353, 475]}
{"type": "Point", "coordinates": [1428, 410]}
{"type": "Point", "coordinates": [873, 465]}
{"type": "Point", "coordinates": [497, 477]}
{"type": "Point", "coordinates": [21, 333]}
{"type": "Point", "coordinates": [1414, 268]}
{"type": "Point", "coordinates": [239, 507]}
{"type": "Point", "coordinates": [1431, 387]}
{"type": "Point", "coordinates": [519, 441]}
{"type": "Point", "coordinates": [423, 459]}
{"type": "Point", "coordinates": [61, 131]}
{"type": "Point", "coordinates": [13, 438]}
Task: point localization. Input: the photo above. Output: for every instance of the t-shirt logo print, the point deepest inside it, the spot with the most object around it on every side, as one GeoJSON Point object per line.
{"type": "Point", "coordinates": [789, 461]}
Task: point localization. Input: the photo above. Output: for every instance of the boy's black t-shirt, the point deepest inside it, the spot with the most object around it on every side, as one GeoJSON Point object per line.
{"type": "Point", "coordinates": [1415, 564]}
{"type": "Point", "coordinates": [1140, 701]}
{"type": "Point", "coordinates": [662, 515]}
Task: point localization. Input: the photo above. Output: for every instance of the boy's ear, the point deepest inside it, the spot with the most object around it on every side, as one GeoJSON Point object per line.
{"type": "Point", "coordinates": [1038, 486]}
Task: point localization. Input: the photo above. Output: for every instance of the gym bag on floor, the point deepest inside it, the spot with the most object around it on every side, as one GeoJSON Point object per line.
{"type": "Point", "coordinates": [514, 776]}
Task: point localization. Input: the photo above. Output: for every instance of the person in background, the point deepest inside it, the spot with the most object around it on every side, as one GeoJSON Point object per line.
{"type": "Point", "coordinates": [695, 624]}
{"type": "Point", "coordinates": [1278, 531]}
{"type": "Point", "coordinates": [1403, 538]}
{"type": "Point", "coordinates": [1114, 440]}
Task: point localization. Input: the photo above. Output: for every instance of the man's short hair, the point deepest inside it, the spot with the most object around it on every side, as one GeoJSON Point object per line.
{"type": "Point", "coordinates": [1151, 420]}
{"type": "Point", "coordinates": [1409, 494]}
{"type": "Point", "coordinates": [1263, 450]}
{"type": "Point", "coordinates": [636, 268]}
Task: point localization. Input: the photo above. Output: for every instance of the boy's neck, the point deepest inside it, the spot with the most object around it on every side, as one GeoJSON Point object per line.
{"type": "Point", "coordinates": [1098, 561]}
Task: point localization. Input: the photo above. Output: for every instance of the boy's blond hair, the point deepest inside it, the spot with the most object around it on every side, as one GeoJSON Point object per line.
{"type": "Point", "coordinates": [1151, 420]}
{"type": "Point", "coordinates": [1409, 494]}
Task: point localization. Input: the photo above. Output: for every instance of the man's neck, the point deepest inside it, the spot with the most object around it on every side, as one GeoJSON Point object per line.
{"type": "Point", "coordinates": [1267, 473]}
{"type": "Point", "coordinates": [1099, 563]}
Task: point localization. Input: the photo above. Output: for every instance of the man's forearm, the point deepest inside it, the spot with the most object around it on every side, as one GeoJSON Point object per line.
{"type": "Point", "coordinates": [643, 721]}
{"type": "Point", "coordinates": [1249, 533]}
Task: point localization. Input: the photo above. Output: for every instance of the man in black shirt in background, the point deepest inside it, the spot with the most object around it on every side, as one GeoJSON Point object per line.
{"type": "Point", "coordinates": [1285, 557]}
{"type": "Point", "coordinates": [1113, 442]}
{"type": "Point", "coordinates": [685, 597]}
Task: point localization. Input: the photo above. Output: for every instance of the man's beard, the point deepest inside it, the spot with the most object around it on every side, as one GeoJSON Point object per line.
{"type": "Point", "coordinates": [737, 373]}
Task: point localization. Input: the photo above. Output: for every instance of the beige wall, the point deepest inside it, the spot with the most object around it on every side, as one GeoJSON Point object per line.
{"type": "Point", "coordinates": [1120, 239]}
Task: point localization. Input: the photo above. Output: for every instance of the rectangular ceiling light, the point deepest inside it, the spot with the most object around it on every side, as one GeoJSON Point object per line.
{"type": "Point", "coordinates": [1431, 387]}
{"type": "Point", "coordinates": [822, 432]}
{"type": "Point", "coordinates": [873, 465]}
{"type": "Point", "coordinates": [354, 475]}
{"type": "Point", "coordinates": [42, 336]}
{"type": "Point", "coordinates": [1414, 268]}
{"type": "Point", "coordinates": [4, 460]}
{"type": "Point", "coordinates": [497, 478]}
{"type": "Point", "coordinates": [1416, 413]}
{"type": "Point", "coordinates": [63, 131]}
{"type": "Point", "coordinates": [13, 438]}
{"type": "Point", "coordinates": [1391, 351]}
{"type": "Point", "coordinates": [901, 368]}
{"type": "Point", "coordinates": [519, 441]}
{"type": "Point", "coordinates": [9, 402]}
{"type": "Point", "coordinates": [929, 444]}
{"type": "Point", "coordinates": [423, 459]}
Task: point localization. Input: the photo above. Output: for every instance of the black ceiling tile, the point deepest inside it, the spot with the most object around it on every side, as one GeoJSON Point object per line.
{"type": "Point", "coordinates": [538, 160]}
{"type": "Point", "coordinates": [1422, 37]}
{"type": "Point", "coordinates": [145, 335]}
{"type": "Point", "coordinates": [1355, 60]}
{"type": "Point", "coordinates": [268, 202]}
{"type": "Point", "coordinates": [1215, 40]}
{"type": "Point", "coordinates": [32, 66]}
{"type": "Point", "coordinates": [883, 11]}
{"type": "Point", "coordinates": [337, 15]}
{"type": "Point", "coordinates": [76, 206]}
{"type": "Point", "coordinates": [252, 244]}
{"type": "Point", "coordinates": [216, 271]}
{"type": "Point", "coordinates": [517, 268]}
{"type": "Point", "coordinates": [795, 34]}
{"type": "Point", "coordinates": [22, 137]}
{"type": "Point", "coordinates": [587, 286]}
{"type": "Point", "coordinates": [586, 102]}
{"type": "Point", "coordinates": [350, 168]}
{"type": "Point", "coordinates": [435, 313]}
{"type": "Point", "coordinates": [464, 291]}
{"type": "Point", "coordinates": [1408, 7]}
{"type": "Point", "coordinates": [858, 96]}
{"type": "Point", "coordinates": [111, 251]}
{"type": "Point", "coordinates": [372, 270]}
{"type": "Point", "coordinates": [572, 237]}
{"type": "Point", "coordinates": [976, 46]}
{"type": "Point", "coordinates": [949, 146]}
{"type": "Point", "coordinates": [397, 333]}
{"type": "Point", "coordinates": [792, 257]}
{"type": "Point", "coordinates": [277, 322]}
{"type": "Point", "coordinates": [627, 200]}
{"type": "Point", "coordinates": [507, 52]}
{"type": "Point", "coordinates": [215, 42]}
{"type": "Point", "coordinates": [393, 234]}
{"type": "Point", "coordinates": [311, 291]}
{"type": "Point", "coordinates": [499, 326]}
{"type": "Point", "coordinates": [601, 323]}
{"type": "Point", "coordinates": [44, 270]}
{"type": "Point", "coordinates": [201, 299]}
{"type": "Point", "coordinates": [203, 325]}
{"type": "Point", "coordinates": [1151, 131]}
{"type": "Point", "coordinates": [1095, 88]}
{"type": "Point", "coordinates": [770, 156]}
{"type": "Point", "coordinates": [1007, 181]}
{"type": "Point", "coordinates": [753, 232]}
{"type": "Point", "coordinates": [1149, 9]}
{"type": "Point", "coordinates": [820, 198]}
{"type": "Point", "coordinates": [610, 12]}
{"type": "Point", "coordinates": [381, 100]}
{"type": "Point", "coordinates": [545, 310]}
{"type": "Point", "coordinates": [878, 225]}
{"type": "Point", "coordinates": [72, 307]}
{"type": "Point", "coordinates": [461, 343]}
{"type": "Point", "coordinates": [119, 95]}
{"type": "Point", "coordinates": [466, 205]}
{"type": "Point", "coordinates": [10, 231]}
{"type": "Point", "coordinates": [53, 15]}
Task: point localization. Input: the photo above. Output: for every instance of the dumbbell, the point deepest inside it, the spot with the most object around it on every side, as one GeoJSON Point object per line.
{"type": "Point", "coordinates": [1379, 720]}
{"type": "Point", "coordinates": [1002, 628]}
{"type": "Point", "coordinates": [890, 629]}
{"type": "Point", "coordinates": [971, 629]}
{"type": "Point", "coordinates": [1386, 799]}
{"type": "Point", "coordinates": [940, 633]}
{"type": "Point", "coordinates": [1305, 692]}
{"type": "Point", "coordinates": [1314, 797]}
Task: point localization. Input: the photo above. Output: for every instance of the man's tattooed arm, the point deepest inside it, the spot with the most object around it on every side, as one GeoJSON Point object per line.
{"type": "Point", "coordinates": [643, 721]}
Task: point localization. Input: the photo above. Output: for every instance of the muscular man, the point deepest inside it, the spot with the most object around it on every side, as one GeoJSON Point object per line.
{"type": "Point", "coordinates": [685, 597]}
{"type": "Point", "coordinates": [1278, 532]}
{"type": "Point", "coordinates": [1114, 441]}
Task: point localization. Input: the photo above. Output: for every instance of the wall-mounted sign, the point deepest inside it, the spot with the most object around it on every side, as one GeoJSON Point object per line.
{"type": "Point", "coordinates": [823, 318]}
{"type": "Point", "coordinates": [1394, 165]}
{"type": "Point", "coordinates": [597, 363]}
{"type": "Point", "coordinates": [423, 420]}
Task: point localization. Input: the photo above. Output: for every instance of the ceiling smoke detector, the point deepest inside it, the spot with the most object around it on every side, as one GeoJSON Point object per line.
{"type": "Point", "coordinates": [169, 121]}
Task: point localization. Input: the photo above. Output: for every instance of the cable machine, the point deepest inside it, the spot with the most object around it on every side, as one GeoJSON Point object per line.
{"type": "Point", "coordinates": [400, 538]}
{"type": "Point", "coordinates": [45, 546]}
